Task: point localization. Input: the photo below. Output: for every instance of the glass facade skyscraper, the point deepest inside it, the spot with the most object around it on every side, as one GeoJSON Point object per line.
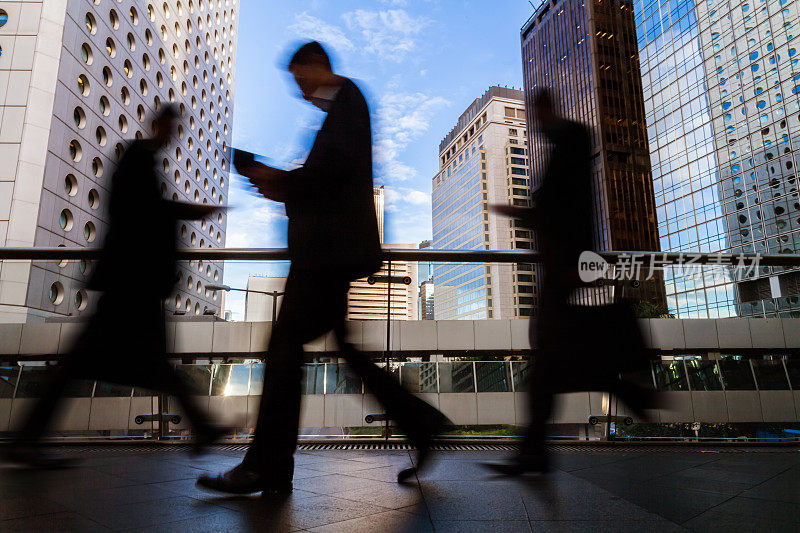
{"type": "Point", "coordinates": [585, 53]}
{"type": "Point", "coordinates": [720, 84]}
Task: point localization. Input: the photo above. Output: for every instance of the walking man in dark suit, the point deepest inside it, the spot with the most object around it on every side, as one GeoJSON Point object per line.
{"type": "Point", "coordinates": [117, 346]}
{"type": "Point", "coordinates": [333, 240]}
{"type": "Point", "coordinates": [577, 348]}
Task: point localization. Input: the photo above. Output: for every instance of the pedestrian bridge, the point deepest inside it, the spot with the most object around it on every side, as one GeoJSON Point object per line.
{"type": "Point", "coordinates": [195, 338]}
{"type": "Point", "coordinates": [711, 371]}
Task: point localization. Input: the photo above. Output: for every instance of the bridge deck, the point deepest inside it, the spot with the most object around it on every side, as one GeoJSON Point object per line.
{"type": "Point", "coordinates": [592, 488]}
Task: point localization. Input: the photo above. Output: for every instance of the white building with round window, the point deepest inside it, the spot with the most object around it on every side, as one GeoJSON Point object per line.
{"type": "Point", "coordinates": [84, 80]}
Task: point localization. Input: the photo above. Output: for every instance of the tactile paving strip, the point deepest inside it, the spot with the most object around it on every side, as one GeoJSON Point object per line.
{"type": "Point", "coordinates": [153, 447]}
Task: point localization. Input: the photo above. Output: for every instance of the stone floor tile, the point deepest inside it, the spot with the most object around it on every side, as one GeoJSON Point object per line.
{"type": "Point", "coordinates": [467, 500]}
{"type": "Point", "coordinates": [482, 526]}
{"type": "Point", "coordinates": [331, 483]}
{"type": "Point", "coordinates": [748, 514]}
{"type": "Point", "coordinates": [67, 522]}
{"type": "Point", "coordinates": [388, 521]}
{"type": "Point", "coordinates": [143, 515]}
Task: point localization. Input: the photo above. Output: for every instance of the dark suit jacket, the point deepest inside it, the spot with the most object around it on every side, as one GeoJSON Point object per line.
{"type": "Point", "coordinates": [139, 218]}
{"type": "Point", "coordinates": [330, 205]}
{"type": "Point", "coordinates": [562, 214]}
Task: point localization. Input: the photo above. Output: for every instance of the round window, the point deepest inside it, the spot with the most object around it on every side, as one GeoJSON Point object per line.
{"type": "Point", "coordinates": [75, 151]}
{"type": "Point", "coordinates": [100, 135]}
{"type": "Point", "coordinates": [71, 185]}
{"type": "Point", "coordinates": [79, 117]}
{"type": "Point", "coordinates": [86, 54]}
{"type": "Point", "coordinates": [81, 300]}
{"type": "Point", "coordinates": [94, 199]}
{"type": "Point", "coordinates": [105, 107]}
{"type": "Point", "coordinates": [108, 78]}
{"type": "Point", "coordinates": [97, 167]}
{"type": "Point", "coordinates": [65, 219]}
{"type": "Point", "coordinates": [56, 293]}
{"type": "Point", "coordinates": [83, 85]}
{"type": "Point", "coordinates": [89, 232]}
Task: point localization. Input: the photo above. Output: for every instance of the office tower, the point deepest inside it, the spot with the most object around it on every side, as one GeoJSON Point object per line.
{"type": "Point", "coordinates": [483, 161]}
{"type": "Point", "coordinates": [368, 301]}
{"type": "Point", "coordinates": [721, 106]}
{"type": "Point", "coordinates": [425, 268]}
{"type": "Point", "coordinates": [258, 306]}
{"type": "Point", "coordinates": [379, 199]}
{"type": "Point", "coordinates": [426, 300]}
{"type": "Point", "coordinates": [585, 53]}
{"type": "Point", "coordinates": [425, 278]}
{"type": "Point", "coordinates": [84, 78]}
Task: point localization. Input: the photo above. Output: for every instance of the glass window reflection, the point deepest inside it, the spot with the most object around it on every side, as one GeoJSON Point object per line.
{"type": "Point", "coordinates": [256, 379]}
{"type": "Point", "coordinates": [8, 380]}
{"type": "Point", "coordinates": [104, 389]}
{"type": "Point", "coordinates": [456, 377]}
{"type": "Point", "coordinates": [770, 375]}
{"type": "Point", "coordinates": [670, 376]}
{"type": "Point", "coordinates": [196, 377]}
{"type": "Point", "coordinates": [419, 377]}
{"type": "Point", "coordinates": [341, 379]}
{"type": "Point", "coordinates": [703, 375]}
{"type": "Point", "coordinates": [230, 380]}
{"type": "Point", "coordinates": [313, 379]}
{"type": "Point", "coordinates": [521, 372]}
{"type": "Point", "coordinates": [736, 374]}
{"type": "Point", "coordinates": [493, 376]}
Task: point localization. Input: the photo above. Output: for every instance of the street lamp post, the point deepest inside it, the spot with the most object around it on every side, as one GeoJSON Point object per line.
{"type": "Point", "coordinates": [274, 295]}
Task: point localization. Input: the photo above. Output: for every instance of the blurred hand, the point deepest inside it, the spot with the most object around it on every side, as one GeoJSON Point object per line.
{"type": "Point", "coordinates": [268, 181]}
{"type": "Point", "coordinates": [509, 210]}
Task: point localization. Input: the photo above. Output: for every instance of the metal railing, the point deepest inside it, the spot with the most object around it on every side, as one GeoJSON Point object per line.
{"type": "Point", "coordinates": [389, 254]}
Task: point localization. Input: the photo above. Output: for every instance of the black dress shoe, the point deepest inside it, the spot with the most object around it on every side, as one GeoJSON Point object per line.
{"type": "Point", "coordinates": [427, 427]}
{"type": "Point", "coordinates": [244, 480]}
{"type": "Point", "coordinates": [537, 464]}
{"type": "Point", "coordinates": [36, 459]}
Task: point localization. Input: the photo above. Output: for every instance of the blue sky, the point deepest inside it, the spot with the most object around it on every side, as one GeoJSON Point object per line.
{"type": "Point", "coordinates": [420, 63]}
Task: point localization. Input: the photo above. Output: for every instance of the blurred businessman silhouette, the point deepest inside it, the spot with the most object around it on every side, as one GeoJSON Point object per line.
{"type": "Point", "coordinates": [119, 345]}
{"type": "Point", "coordinates": [333, 239]}
{"type": "Point", "coordinates": [577, 348]}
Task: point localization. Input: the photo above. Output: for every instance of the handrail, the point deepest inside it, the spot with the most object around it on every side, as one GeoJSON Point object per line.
{"type": "Point", "coordinates": [454, 256]}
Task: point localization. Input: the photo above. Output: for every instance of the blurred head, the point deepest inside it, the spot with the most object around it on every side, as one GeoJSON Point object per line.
{"type": "Point", "coordinates": [164, 124]}
{"type": "Point", "coordinates": [311, 68]}
{"type": "Point", "coordinates": [543, 107]}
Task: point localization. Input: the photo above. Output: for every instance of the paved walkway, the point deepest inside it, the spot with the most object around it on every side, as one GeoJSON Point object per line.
{"type": "Point", "coordinates": [597, 489]}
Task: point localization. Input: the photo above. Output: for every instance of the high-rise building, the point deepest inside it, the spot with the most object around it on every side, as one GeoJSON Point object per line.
{"type": "Point", "coordinates": [585, 53]}
{"type": "Point", "coordinates": [258, 305]}
{"type": "Point", "coordinates": [425, 268]}
{"type": "Point", "coordinates": [483, 161]}
{"type": "Point", "coordinates": [426, 300]}
{"type": "Point", "coordinates": [80, 79]}
{"type": "Point", "coordinates": [721, 106]}
{"type": "Point", "coordinates": [425, 278]}
{"type": "Point", "coordinates": [368, 301]}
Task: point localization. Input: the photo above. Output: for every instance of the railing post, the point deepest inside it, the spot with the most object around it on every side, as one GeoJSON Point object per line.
{"type": "Point", "coordinates": [388, 331]}
{"type": "Point", "coordinates": [160, 417]}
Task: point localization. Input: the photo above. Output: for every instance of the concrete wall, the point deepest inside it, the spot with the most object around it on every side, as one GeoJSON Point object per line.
{"type": "Point", "coordinates": [664, 335]}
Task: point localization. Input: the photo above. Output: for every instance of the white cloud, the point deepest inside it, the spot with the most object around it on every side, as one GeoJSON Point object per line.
{"type": "Point", "coordinates": [253, 221]}
{"type": "Point", "coordinates": [390, 34]}
{"type": "Point", "coordinates": [310, 27]}
{"type": "Point", "coordinates": [395, 195]}
{"type": "Point", "coordinates": [401, 118]}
